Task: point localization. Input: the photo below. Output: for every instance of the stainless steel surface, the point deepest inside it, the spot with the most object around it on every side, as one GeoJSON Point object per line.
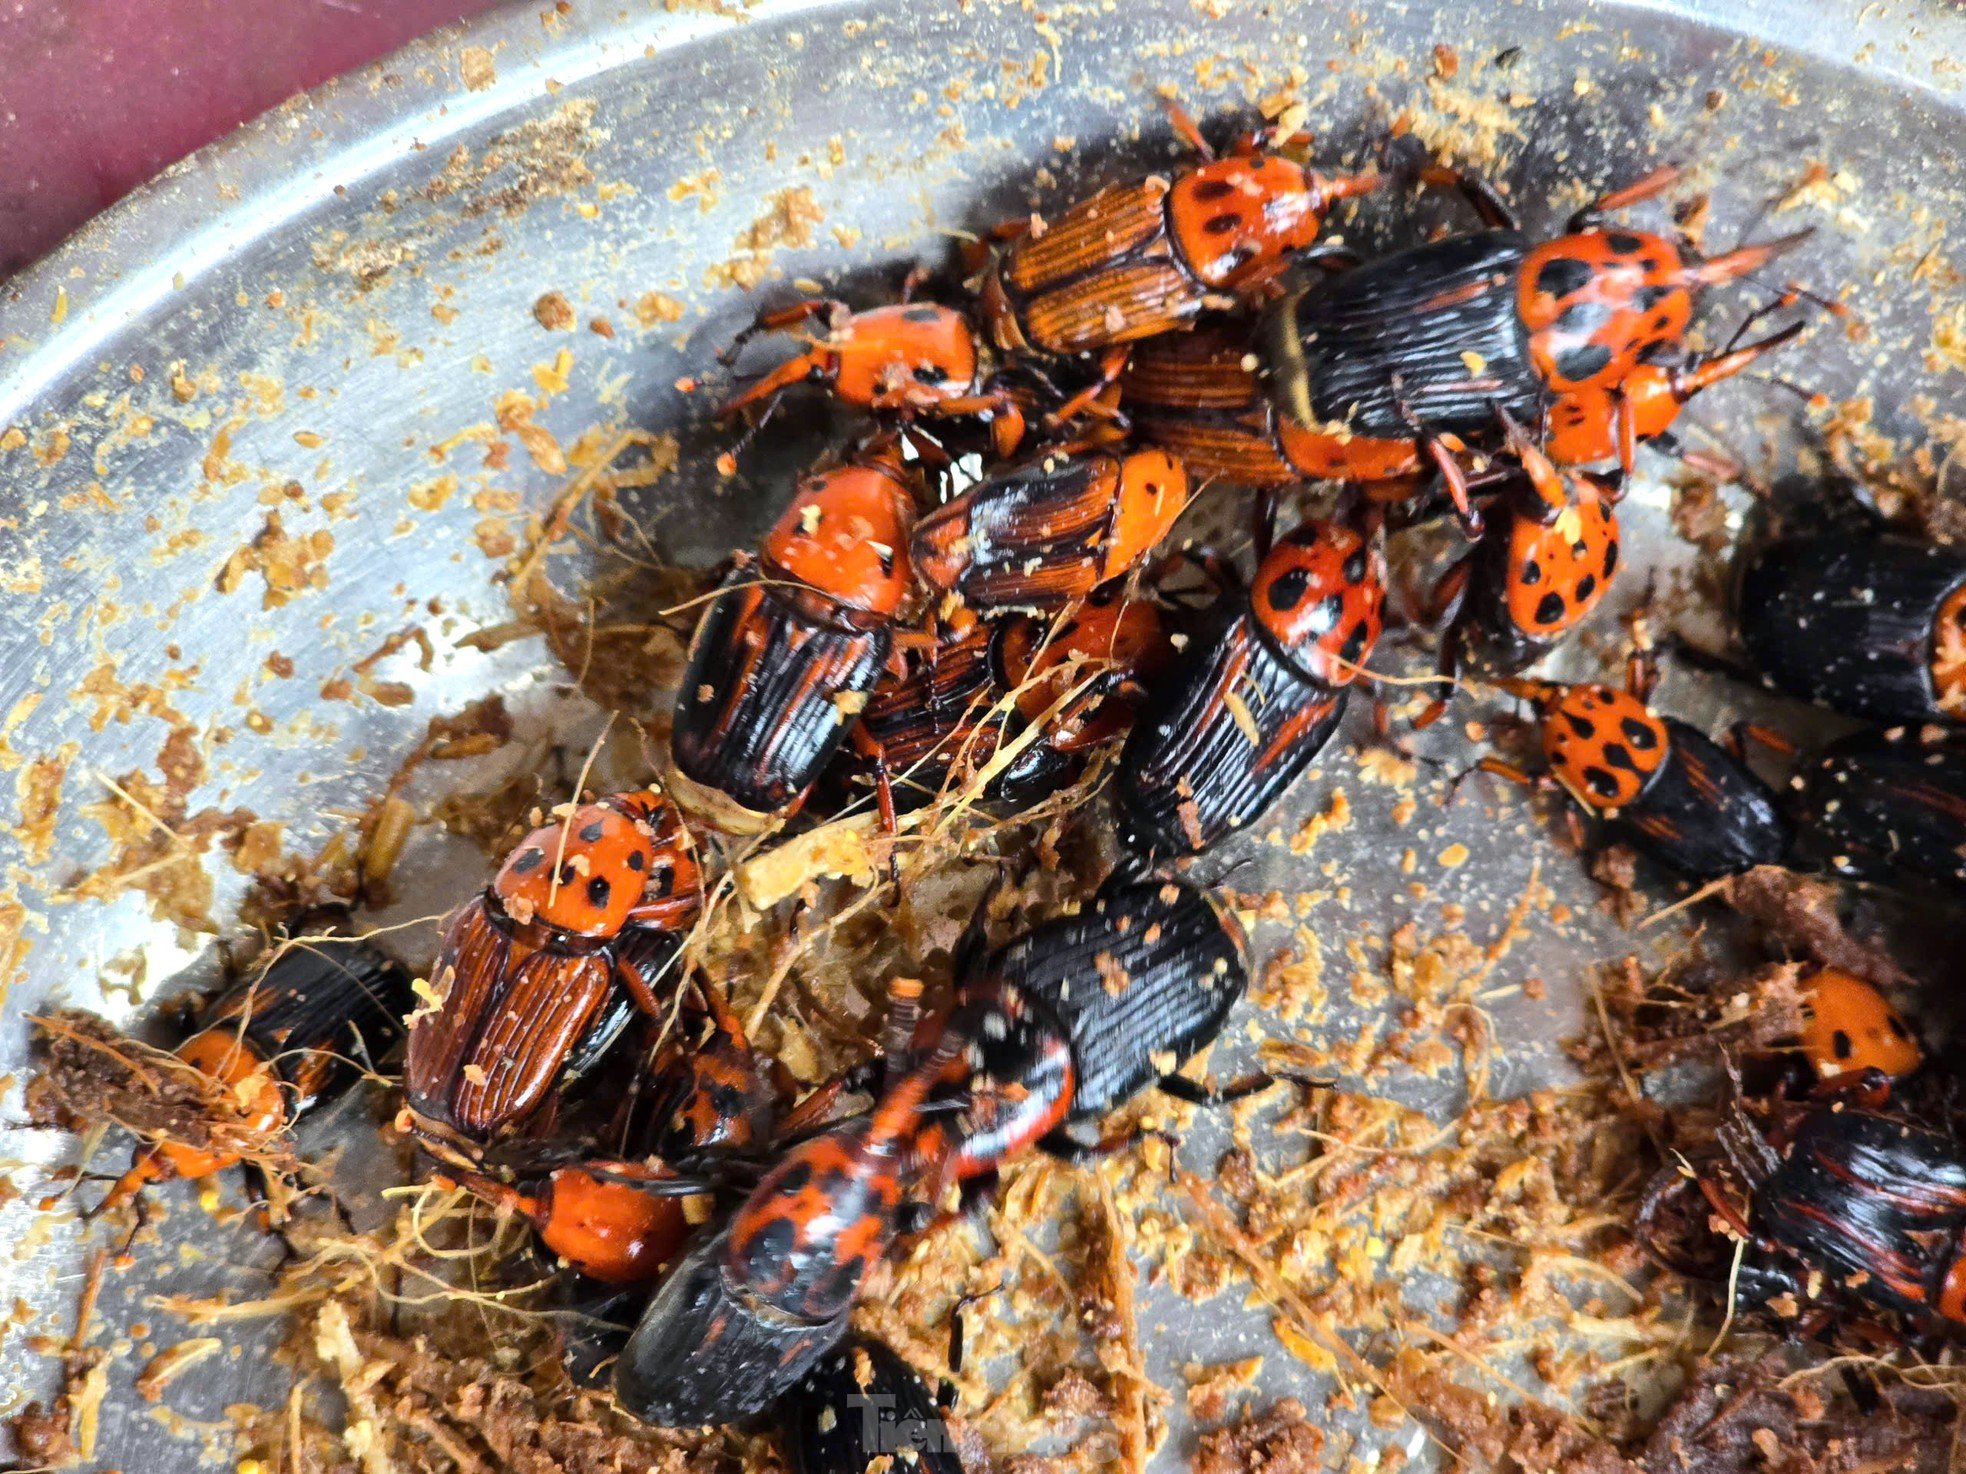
{"type": "Point", "coordinates": [304, 317]}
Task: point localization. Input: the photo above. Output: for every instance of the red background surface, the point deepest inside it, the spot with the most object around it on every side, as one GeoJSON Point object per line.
{"type": "Point", "coordinates": [98, 95]}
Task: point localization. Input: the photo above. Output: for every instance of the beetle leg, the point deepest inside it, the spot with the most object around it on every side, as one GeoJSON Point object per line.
{"type": "Point", "coordinates": [1112, 363]}
{"type": "Point", "coordinates": [870, 748]}
{"type": "Point", "coordinates": [1194, 1092]}
{"type": "Point", "coordinates": [1442, 606]}
{"type": "Point", "coordinates": [912, 283]}
{"type": "Point", "coordinates": [1724, 1210]}
{"type": "Point", "coordinates": [1435, 450]}
{"type": "Point", "coordinates": [654, 1178]}
{"type": "Point", "coordinates": [1627, 428]}
{"type": "Point", "coordinates": [1492, 209]}
{"type": "Point", "coordinates": [1078, 1153]}
{"type": "Point", "coordinates": [1333, 259]}
{"type": "Point", "coordinates": [1870, 1088]}
{"type": "Point", "coordinates": [1007, 424]}
{"type": "Point", "coordinates": [1658, 181]}
{"type": "Point", "coordinates": [819, 366]}
{"type": "Point", "coordinates": [778, 320]}
{"type": "Point", "coordinates": [1508, 771]}
{"type": "Point", "coordinates": [1542, 473]}
{"type": "Point", "coordinates": [1189, 130]}
{"type": "Point", "coordinates": [1742, 733]}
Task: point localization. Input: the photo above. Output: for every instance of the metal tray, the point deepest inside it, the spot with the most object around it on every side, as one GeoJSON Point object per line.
{"type": "Point", "coordinates": [303, 317]}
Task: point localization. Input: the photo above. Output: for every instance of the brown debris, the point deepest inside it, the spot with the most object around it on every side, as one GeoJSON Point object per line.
{"type": "Point", "coordinates": [90, 1072]}
{"type": "Point", "coordinates": [1736, 1416]}
{"type": "Point", "coordinates": [1280, 1440]}
{"type": "Point", "coordinates": [1800, 912]}
{"type": "Point", "coordinates": [425, 1407]}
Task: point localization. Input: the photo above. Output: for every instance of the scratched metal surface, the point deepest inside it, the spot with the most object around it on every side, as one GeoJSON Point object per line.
{"type": "Point", "coordinates": [347, 284]}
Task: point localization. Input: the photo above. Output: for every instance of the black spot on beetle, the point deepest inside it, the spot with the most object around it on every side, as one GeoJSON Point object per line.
{"type": "Point", "coordinates": [1288, 588]}
{"type": "Point", "coordinates": [1583, 726]}
{"type": "Point", "coordinates": [598, 891]}
{"type": "Point", "coordinates": [1639, 734]}
{"type": "Point", "coordinates": [1842, 1044]}
{"type": "Point", "coordinates": [796, 1179]}
{"type": "Point", "coordinates": [1354, 569]}
{"type": "Point", "coordinates": [770, 1247]}
{"type": "Point", "coordinates": [1897, 1026]}
{"type": "Point", "coordinates": [1610, 558]}
{"type": "Point", "coordinates": [1646, 298]}
{"type": "Point", "coordinates": [1212, 189]}
{"type": "Point", "coordinates": [593, 832]}
{"type": "Point", "coordinates": [1532, 572]}
{"type": "Point", "coordinates": [637, 861]}
{"type": "Point", "coordinates": [1550, 609]}
{"type": "Point", "coordinates": [528, 861]}
{"type": "Point", "coordinates": [1586, 586]}
{"type": "Point", "coordinates": [1600, 783]}
{"type": "Point", "coordinates": [1355, 643]}
{"type": "Point", "coordinates": [1622, 243]}
{"type": "Point", "coordinates": [1581, 363]}
{"type": "Point", "coordinates": [1227, 223]}
{"type": "Point", "coordinates": [1563, 276]}
{"type": "Point", "coordinates": [931, 373]}
{"type": "Point", "coordinates": [1619, 756]}
{"type": "Point", "coordinates": [568, 875]}
{"type": "Point", "coordinates": [921, 313]}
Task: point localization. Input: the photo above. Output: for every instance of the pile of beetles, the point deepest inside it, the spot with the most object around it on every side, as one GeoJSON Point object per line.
{"type": "Point", "coordinates": [908, 630]}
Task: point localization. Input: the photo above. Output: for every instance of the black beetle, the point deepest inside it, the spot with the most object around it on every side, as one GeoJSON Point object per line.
{"type": "Point", "coordinates": [862, 1407]}
{"type": "Point", "coordinates": [1875, 1204]}
{"type": "Point", "coordinates": [1841, 612]}
{"type": "Point", "coordinates": [1139, 982]}
{"type": "Point", "coordinates": [1255, 695]}
{"type": "Point", "coordinates": [1888, 809]}
{"type": "Point", "coordinates": [1675, 793]}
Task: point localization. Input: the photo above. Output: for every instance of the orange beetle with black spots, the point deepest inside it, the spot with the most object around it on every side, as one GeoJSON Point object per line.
{"type": "Point", "coordinates": [1674, 793]}
{"type": "Point", "coordinates": [537, 975]}
{"type": "Point", "coordinates": [1534, 575]}
{"type": "Point", "coordinates": [751, 1307]}
{"type": "Point", "coordinates": [1389, 365]}
{"type": "Point", "coordinates": [906, 357]}
{"type": "Point", "coordinates": [1850, 1028]}
{"type": "Point", "coordinates": [1254, 697]}
{"type": "Point", "coordinates": [787, 652]}
{"type": "Point", "coordinates": [1138, 260]}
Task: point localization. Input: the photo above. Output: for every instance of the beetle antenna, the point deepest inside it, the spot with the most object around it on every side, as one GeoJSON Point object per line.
{"type": "Point", "coordinates": [1740, 262]}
